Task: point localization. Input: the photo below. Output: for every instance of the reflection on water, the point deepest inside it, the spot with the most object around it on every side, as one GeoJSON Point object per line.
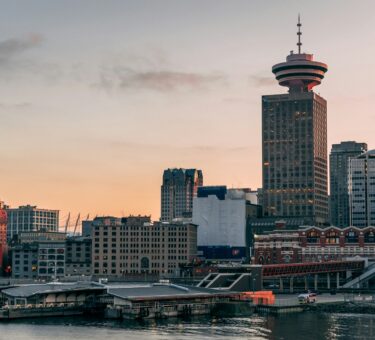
{"type": "Point", "coordinates": [304, 326]}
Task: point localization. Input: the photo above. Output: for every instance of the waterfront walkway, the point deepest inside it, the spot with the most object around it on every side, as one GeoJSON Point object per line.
{"type": "Point", "coordinates": [292, 299]}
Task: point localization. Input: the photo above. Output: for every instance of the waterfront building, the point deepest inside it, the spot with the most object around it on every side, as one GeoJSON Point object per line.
{"type": "Point", "coordinates": [31, 218]}
{"type": "Point", "coordinates": [38, 254]}
{"type": "Point", "coordinates": [361, 184]}
{"type": "Point", "coordinates": [222, 215]}
{"type": "Point", "coordinates": [40, 299]}
{"type": "Point", "coordinates": [78, 256]}
{"type": "Point", "coordinates": [3, 236]}
{"type": "Point", "coordinates": [163, 299]}
{"type": "Point", "coordinates": [339, 195]}
{"type": "Point", "coordinates": [134, 245]}
{"type": "Point", "coordinates": [177, 192]}
{"type": "Point", "coordinates": [294, 139]}
{"type": "Point", "coordinates": [314, 244]}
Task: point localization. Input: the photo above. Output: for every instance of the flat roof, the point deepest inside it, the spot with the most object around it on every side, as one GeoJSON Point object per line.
{"type": "Point", "coordinates": [164, 291]}
{"type": "Point", "coordinates": [48, 288]}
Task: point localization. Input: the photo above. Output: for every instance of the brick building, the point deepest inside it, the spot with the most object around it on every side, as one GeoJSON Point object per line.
{"type": "Point", "coordinates": [314, 244]}
{"type": "Point", "coordinates": [134, 245]}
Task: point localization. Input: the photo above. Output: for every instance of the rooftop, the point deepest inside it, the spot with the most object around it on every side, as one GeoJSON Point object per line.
{"type": "Point", "coordinates": [54, 287]}
{"type": "Point", "coordinates": [159, 291]}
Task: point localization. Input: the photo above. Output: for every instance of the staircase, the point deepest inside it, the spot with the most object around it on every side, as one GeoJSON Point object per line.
{"type": "Point", "coordinates": [367, 275]}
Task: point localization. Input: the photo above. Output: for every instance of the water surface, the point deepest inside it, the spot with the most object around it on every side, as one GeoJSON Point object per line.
{"type": "Point", "coordinates": [303, 326]}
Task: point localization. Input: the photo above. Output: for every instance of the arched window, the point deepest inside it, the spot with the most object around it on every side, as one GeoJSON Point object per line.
{"type": "Point", "coordinates": [370, 237]}
{"type": "Point", "coordinates": [332, 237]}
{"type": "Point", "coordinates": [145, 263]}
{"type": "Point", "coordinates": [312, 237]}
{"type": "Point", "coordinates": [351, 237]}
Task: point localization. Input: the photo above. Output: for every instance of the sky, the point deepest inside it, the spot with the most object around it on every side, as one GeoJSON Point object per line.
{"type": "Point", "coordinates": [97, 98]}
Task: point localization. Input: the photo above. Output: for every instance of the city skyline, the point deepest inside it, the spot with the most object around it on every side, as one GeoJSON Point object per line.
{"type": "Point", "coordinates": [93, 112]}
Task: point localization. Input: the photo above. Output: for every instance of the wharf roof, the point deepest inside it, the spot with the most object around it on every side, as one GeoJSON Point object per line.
{"type": "Point", "coordinates": [165, 292]}
{"type": "Point", "coordinates": [50, 288]}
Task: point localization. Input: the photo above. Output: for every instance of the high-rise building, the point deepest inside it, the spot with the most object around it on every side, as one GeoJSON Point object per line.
{"type": "Point", "coordinates": [30, 218]}
{"type": "Point", "coordinates": [3, 235]}
{"type": "Point", "coordinates": [338, 165]}
{"type": "Point", "coordinates": [295, 142]}
{"type": "Point", "coordinates": [177, 192]}
{"type": "Point", "coordinates": [361, 184]}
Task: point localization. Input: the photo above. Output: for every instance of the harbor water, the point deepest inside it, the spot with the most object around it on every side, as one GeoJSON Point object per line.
{"type": "Point", "coordinates": [306, 326]}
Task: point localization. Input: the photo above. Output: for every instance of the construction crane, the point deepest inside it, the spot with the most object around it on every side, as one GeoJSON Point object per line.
{"type": "Point", "coordinates": [77, 221]}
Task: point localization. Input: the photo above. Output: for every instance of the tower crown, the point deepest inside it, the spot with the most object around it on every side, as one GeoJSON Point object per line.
{"type": "Point", "coordinates": [300, 72]}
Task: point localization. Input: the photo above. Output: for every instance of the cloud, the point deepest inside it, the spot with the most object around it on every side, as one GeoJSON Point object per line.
{"type": "Point", "coordinates": [262, 81]}
{"type": "Point", "coordinates": [16, 64]}
{"type": "Point", "coordinates": [20, 105]}
{"type": "Point", "coordinates": [156, 80]}
{"type": "Point", "coordinates": [11, 48]}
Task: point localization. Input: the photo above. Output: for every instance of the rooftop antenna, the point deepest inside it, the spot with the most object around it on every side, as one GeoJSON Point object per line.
{"type": "Point", "coordinates": [299, 33]}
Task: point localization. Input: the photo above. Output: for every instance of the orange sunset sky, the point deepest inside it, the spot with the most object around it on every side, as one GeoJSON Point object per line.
{"type": "Point", "coordinates": [99, 97]}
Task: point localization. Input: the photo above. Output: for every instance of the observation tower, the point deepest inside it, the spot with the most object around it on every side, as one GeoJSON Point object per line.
{"type": "Point", "coordinates": [294, 143]}
{"type": "Point", "coordinates": [300, 73]}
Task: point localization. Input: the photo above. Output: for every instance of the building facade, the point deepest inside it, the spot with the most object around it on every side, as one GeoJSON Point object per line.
{"type": "Point", "coordinates": [315, 244]}
{"type": "Point", "coordinates": [361, 184]}
{"type": "Point", "coordinates": [177, 192]}
{"type": "Point", "coordinates": [38, 254]}
{"type": "Point", "coordinates": [30, 218]}
{"type": "Point", "coordinates": [339, 192]}
{"type": "Point", "coordinates": [3, 236]}
{"type": "Point", "coordinates": [78, 256]}
{"type": "Point", "coordinates": [133, 245]}
{"type": "Point", "coordinates": [24, 261]}
{"type": "Point", "coordinates": [294, 143]}
{"type": "Point", "coordinates": [222, 215]}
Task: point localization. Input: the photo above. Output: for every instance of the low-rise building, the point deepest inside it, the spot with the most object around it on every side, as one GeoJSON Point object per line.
{"type": "Point", "coordinates": [24, 261]}
{"type": "Point", "coordinates": [134, 245]}
{"type": "Point", "coordinates": [39, 254]}
{"type": "Point", "coordinates": [314, 244]}
{"type": "Point", "coordinates": [78, 256]}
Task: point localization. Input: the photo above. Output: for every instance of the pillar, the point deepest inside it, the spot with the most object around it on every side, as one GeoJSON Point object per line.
{"type": "Point", "coordinates": [306, 284]}
{"type": "Point", "coordinates": [316, 281]}
{"type": "Point", "coordinates": [281, 284]}
{"type": "Point", "coordinates": [328, 281]}
{"type": "Point", "coordinates": [291, 284]}
{"type": "Point", "coordinates": [337, 280]}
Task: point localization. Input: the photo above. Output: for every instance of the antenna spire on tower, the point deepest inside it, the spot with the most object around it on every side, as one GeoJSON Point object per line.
{"type": "Point", "coordinates": [299, 33]}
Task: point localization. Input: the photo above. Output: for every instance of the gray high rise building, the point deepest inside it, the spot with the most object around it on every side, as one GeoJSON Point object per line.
{"type": "Point", "coordinates": [177, 192]}
{"type": "Point", "coordinates": [338, 165]}
{"type": "Point", "coordinates": [295, 142]}
{"type": "Point", "coordinates": [31, 218]}
{"type": "Point", "coordinates": [361, 184]}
